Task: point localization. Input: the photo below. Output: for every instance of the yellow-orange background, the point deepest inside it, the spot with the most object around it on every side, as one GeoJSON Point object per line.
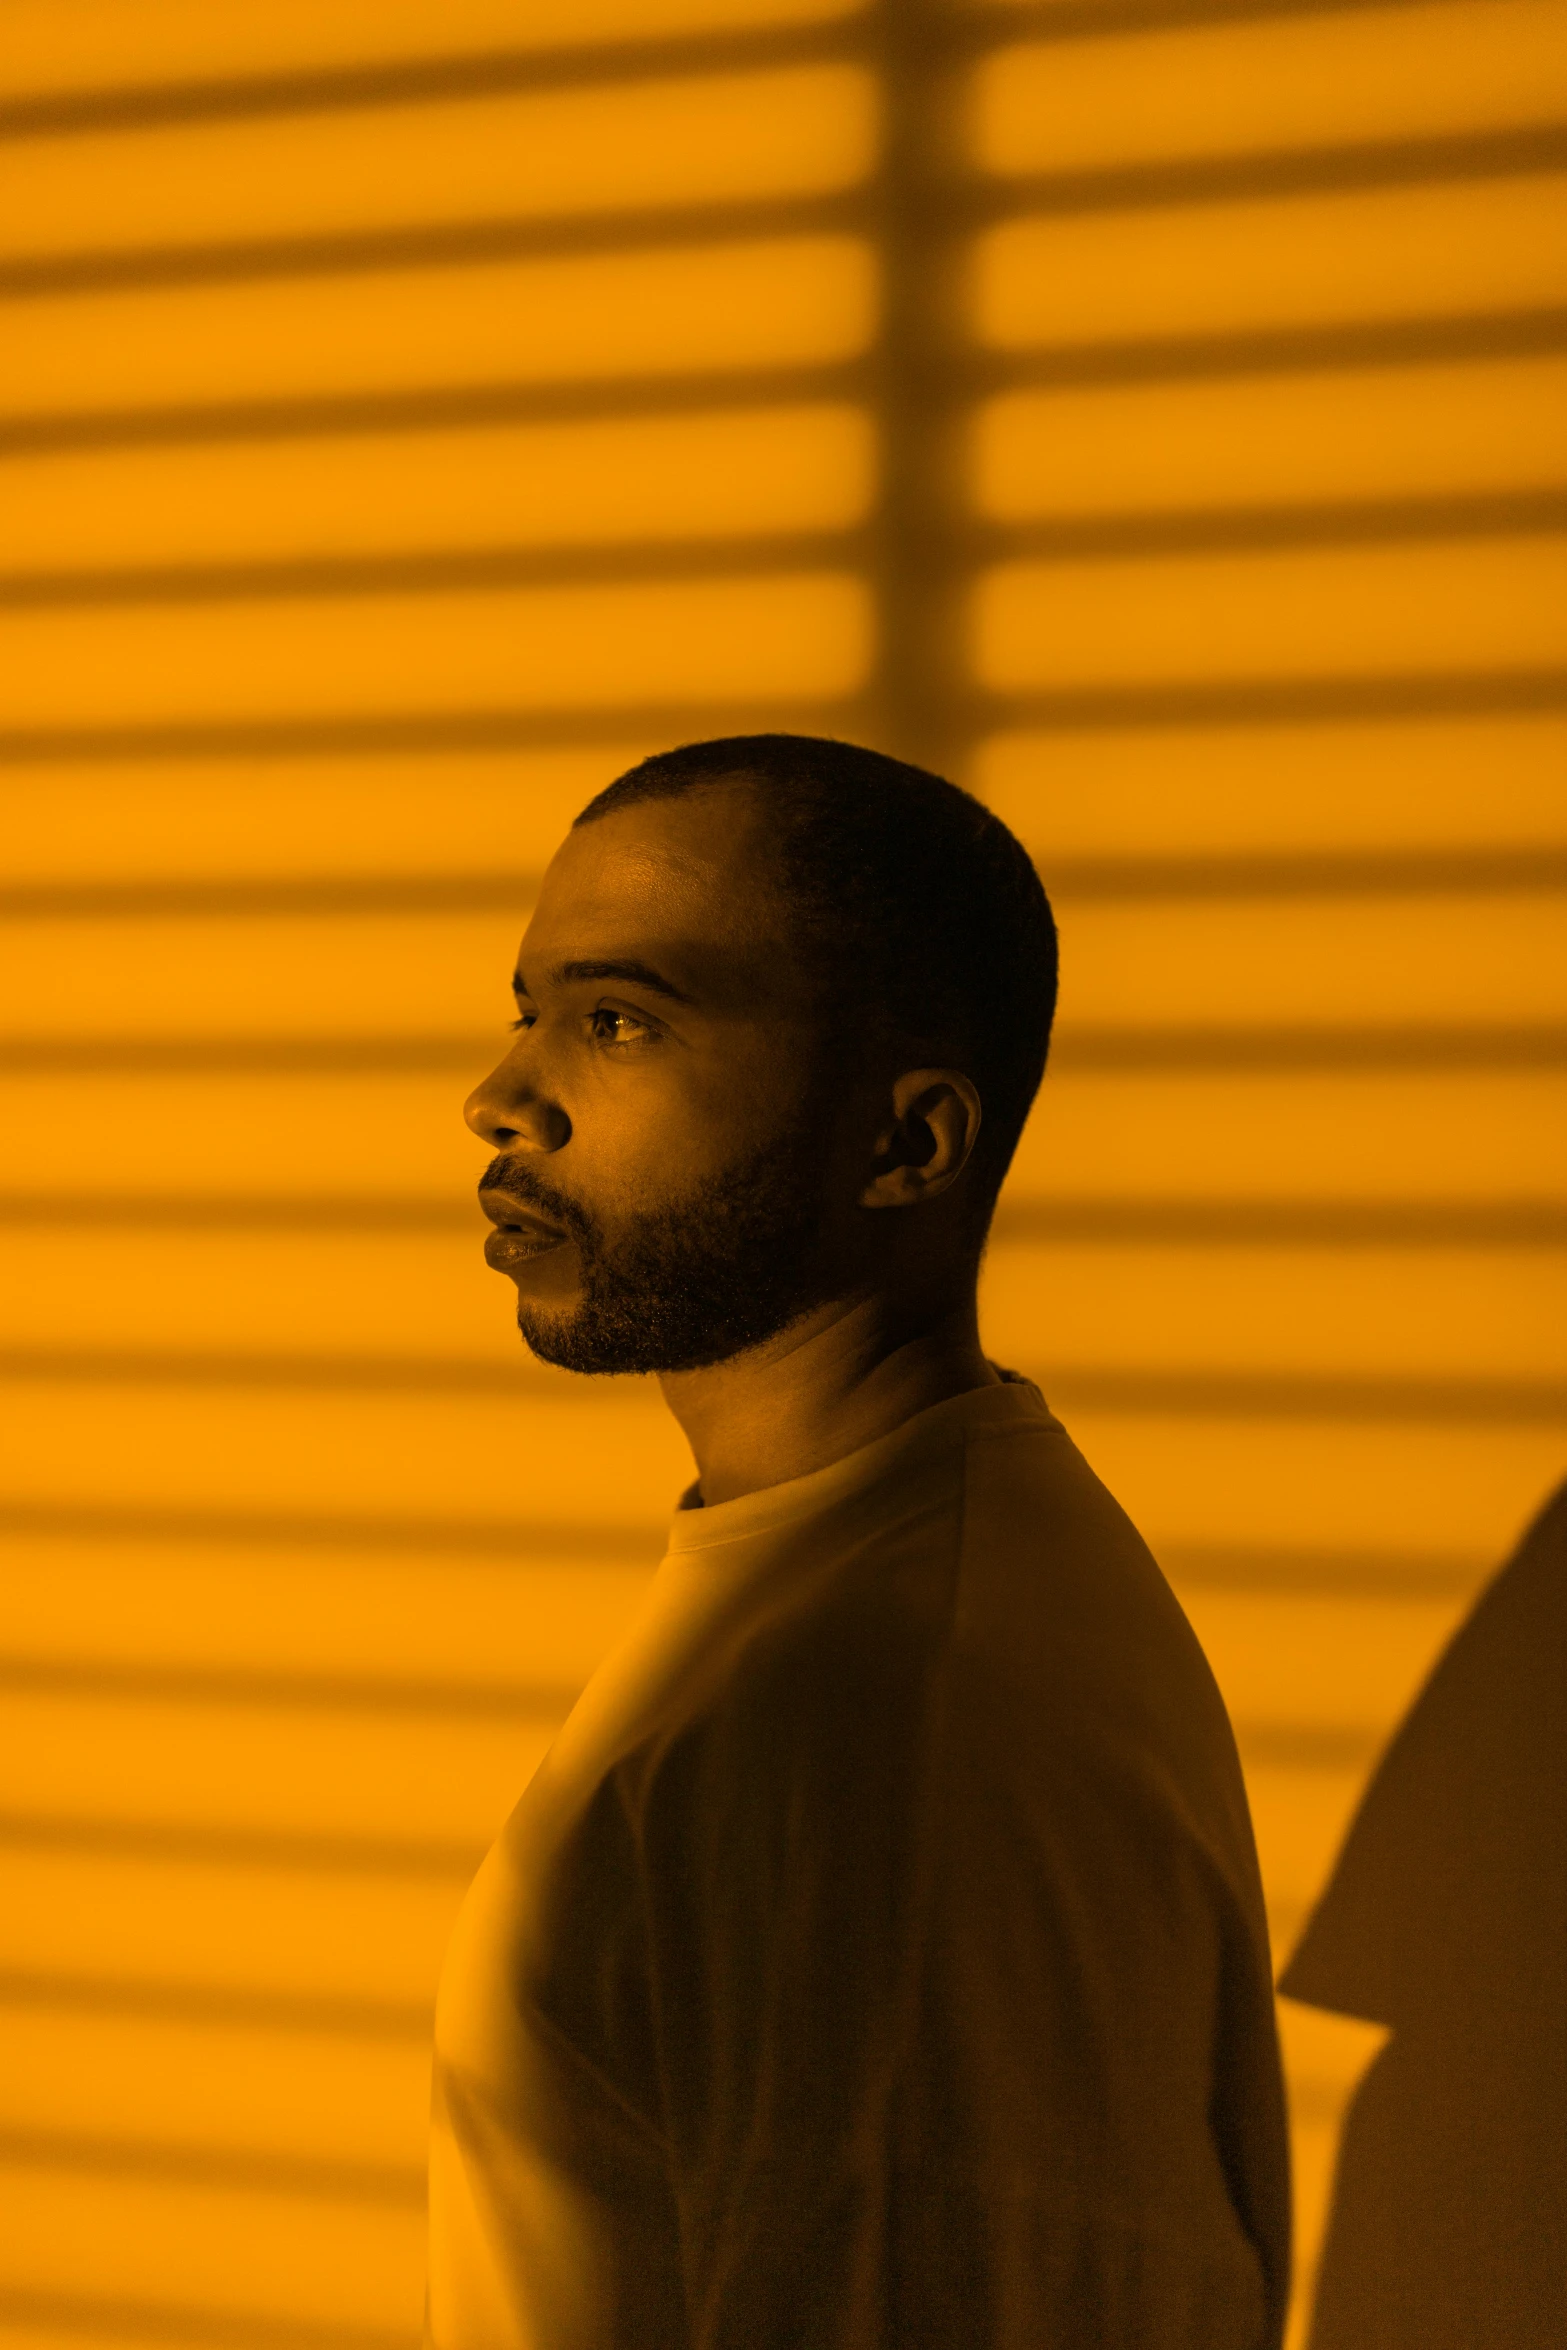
{"type": "Point", "coordinates": [411, 414]}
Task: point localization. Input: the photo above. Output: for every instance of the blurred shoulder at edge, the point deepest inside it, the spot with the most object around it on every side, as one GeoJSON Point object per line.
{"type": "Point", "coordinates": [1450, 1893]}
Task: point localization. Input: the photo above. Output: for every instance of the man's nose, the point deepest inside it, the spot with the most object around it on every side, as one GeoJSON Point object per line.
{"type": "Point", "coordinates": [508, 1108]}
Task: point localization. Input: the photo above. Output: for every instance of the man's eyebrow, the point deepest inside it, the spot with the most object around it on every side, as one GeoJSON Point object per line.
{"type": "Point", "coordinates": [638, 974]}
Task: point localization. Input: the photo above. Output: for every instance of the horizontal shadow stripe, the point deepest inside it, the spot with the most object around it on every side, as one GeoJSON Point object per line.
{"type": "Point", "coordinates": [1309, 1746]}
{"type": "Point", "coordinates": [1071, 881]}
{"type": "Point", "coordinates": [964, 376]}
{"type": "Point", "coordinates": [1348, 1575]}
{"type": "Point", "coordinates": [1243, 1567]}
{"type": "Point", "coordinates": [245, 2170]}
{"type": "Point", "coordinates": [345, 895]}
{"type": "Point", "coordinates": [1206, 702]}
{"type": "Point", "coordinates": [948, 207]}
{"type": "Point", "coordinates": [1242, 530]}
{"type": "Point", "coordinates": [205, 1846]}
{"type": "Point", "coordinates": [503, 1542]}
{"type": "Point", "coordinates": [258, 1212]}
{"type": "Point", "coordinates": [281, 1055]}
{"type": "Point", "coordinates": [435, 245]}
{"type": "Point", "coordinates": [200, 2329]}
{"type": "Point", "coordinates": [433, 408]}
{"type": "Point", "coordinates": [218, 2006]}
{"type": "Point", "coordinates": [281, 1692]}
{"type": "Point", "coordinates": [976, 203]}
{"type": "Point", "coordinates": [1347, 165]}
{"type": "Point", "coordinates": [1070, 20]}
{"type": "Point", "coordinates": [1257, 1050]}
{"type": "Point", "coordinates": [442, 730]}
{"type": "Point", "coordinates": [403, 81]}
{"type": "Point", "coordinates": [308, 1373]}
{"type": "Point", "coordinates": [778, 555]}
{"type": "Point", "coordinates": [375, 81]}
{"type": "Point", "coordinates": [1287, 1395]}
{"type": "Point", "coordinates": [1282, 350]}
{"type": "Point", "coordinates": [1330, 873]}
{"type": "Point", "coordinates": [1211, 1222]}
{"type": "Point", "coordinates": [1236, 179]}
{"type": "Point", "coordinates": [644, 562]}
{"type": "Point", "coordinates": [1262, 1050]}
{"type": "Point", "coordinates": [1437, 693]}
{"type": "Point", "coordinates": [1239, 1393]}
{"type": "Point", "coordinates": [1284, 1223]}
{"type": "Point", "coordinates": [1240, 1567]}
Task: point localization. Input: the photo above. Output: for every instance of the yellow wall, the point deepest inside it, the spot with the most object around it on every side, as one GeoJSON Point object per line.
{"type": "Point", "coordinates": [413, 413]}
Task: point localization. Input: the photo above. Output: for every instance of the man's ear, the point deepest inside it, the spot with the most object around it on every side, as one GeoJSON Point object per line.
{"type": "Point", "coordinates": [923, 1145]}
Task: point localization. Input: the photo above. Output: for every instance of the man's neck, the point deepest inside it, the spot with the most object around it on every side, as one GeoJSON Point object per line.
{"type": "Point", "coordinates": [849, 1373]}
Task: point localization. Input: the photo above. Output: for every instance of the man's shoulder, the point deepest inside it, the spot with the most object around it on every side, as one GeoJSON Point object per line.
{"type": "Point", "coordinates": [1013, 1574]}
{"type": "Point", "coordinates": [1040, 1526]}
{"type": "Point", "coordinates": [1001, 1625]}
{"type": "Point", "coordinates": [1012, 1600]}
{"type": "Point", "coordinates": [1071, 1640]}
{"type": "Point", "coordinates": [1056, 1584]}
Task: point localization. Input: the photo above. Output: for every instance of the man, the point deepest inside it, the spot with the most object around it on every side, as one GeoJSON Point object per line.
{"type": "Point", "coordinates": [877, 1960]}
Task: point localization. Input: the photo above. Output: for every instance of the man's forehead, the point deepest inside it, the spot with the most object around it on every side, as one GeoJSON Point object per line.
{"type": "Point", "coordinates": [684, 898]}
{"type": "Point", "coordinates": [605, 863]}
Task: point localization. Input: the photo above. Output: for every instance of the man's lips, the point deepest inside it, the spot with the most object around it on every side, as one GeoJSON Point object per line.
{"type": "Point", "coordinates": [506, 1210]}
{"type": "Point", "coordinates": [520, 1232]}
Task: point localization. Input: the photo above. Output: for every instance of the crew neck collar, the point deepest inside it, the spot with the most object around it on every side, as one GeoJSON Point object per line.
{"type": "Point", "coordinates": [698, 1526]}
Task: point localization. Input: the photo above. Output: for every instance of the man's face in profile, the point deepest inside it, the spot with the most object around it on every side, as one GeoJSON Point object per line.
{"type": "Point", "coordinates": [662, 1185]}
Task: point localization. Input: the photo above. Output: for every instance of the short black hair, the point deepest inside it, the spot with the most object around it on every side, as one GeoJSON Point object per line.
{"type": "Point", "coordinates": [912, 898]}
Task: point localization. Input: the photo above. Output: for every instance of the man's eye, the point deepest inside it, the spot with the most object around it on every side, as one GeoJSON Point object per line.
{"type": "Point", "coordinates": [524, 1020]}
{"type": "Point", "coordinates": [617, 1028]}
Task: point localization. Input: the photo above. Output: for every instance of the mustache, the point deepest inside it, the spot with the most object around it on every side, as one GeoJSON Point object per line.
{"type": "Point", "coordinates": [521, 1183]}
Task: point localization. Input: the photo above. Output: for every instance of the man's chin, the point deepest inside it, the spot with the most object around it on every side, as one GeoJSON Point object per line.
{"type": "Point", "coordinates": [607, 1345]}
{"type": "Point", "coordinates": [571, 1341]}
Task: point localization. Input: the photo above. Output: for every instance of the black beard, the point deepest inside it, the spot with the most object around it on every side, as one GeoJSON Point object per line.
{"type": "Point", "coordinates": [691, 1283]}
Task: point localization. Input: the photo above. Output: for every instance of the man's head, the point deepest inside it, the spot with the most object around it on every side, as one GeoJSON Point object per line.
{"type": "Point", "coordinates": [773, 986]}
